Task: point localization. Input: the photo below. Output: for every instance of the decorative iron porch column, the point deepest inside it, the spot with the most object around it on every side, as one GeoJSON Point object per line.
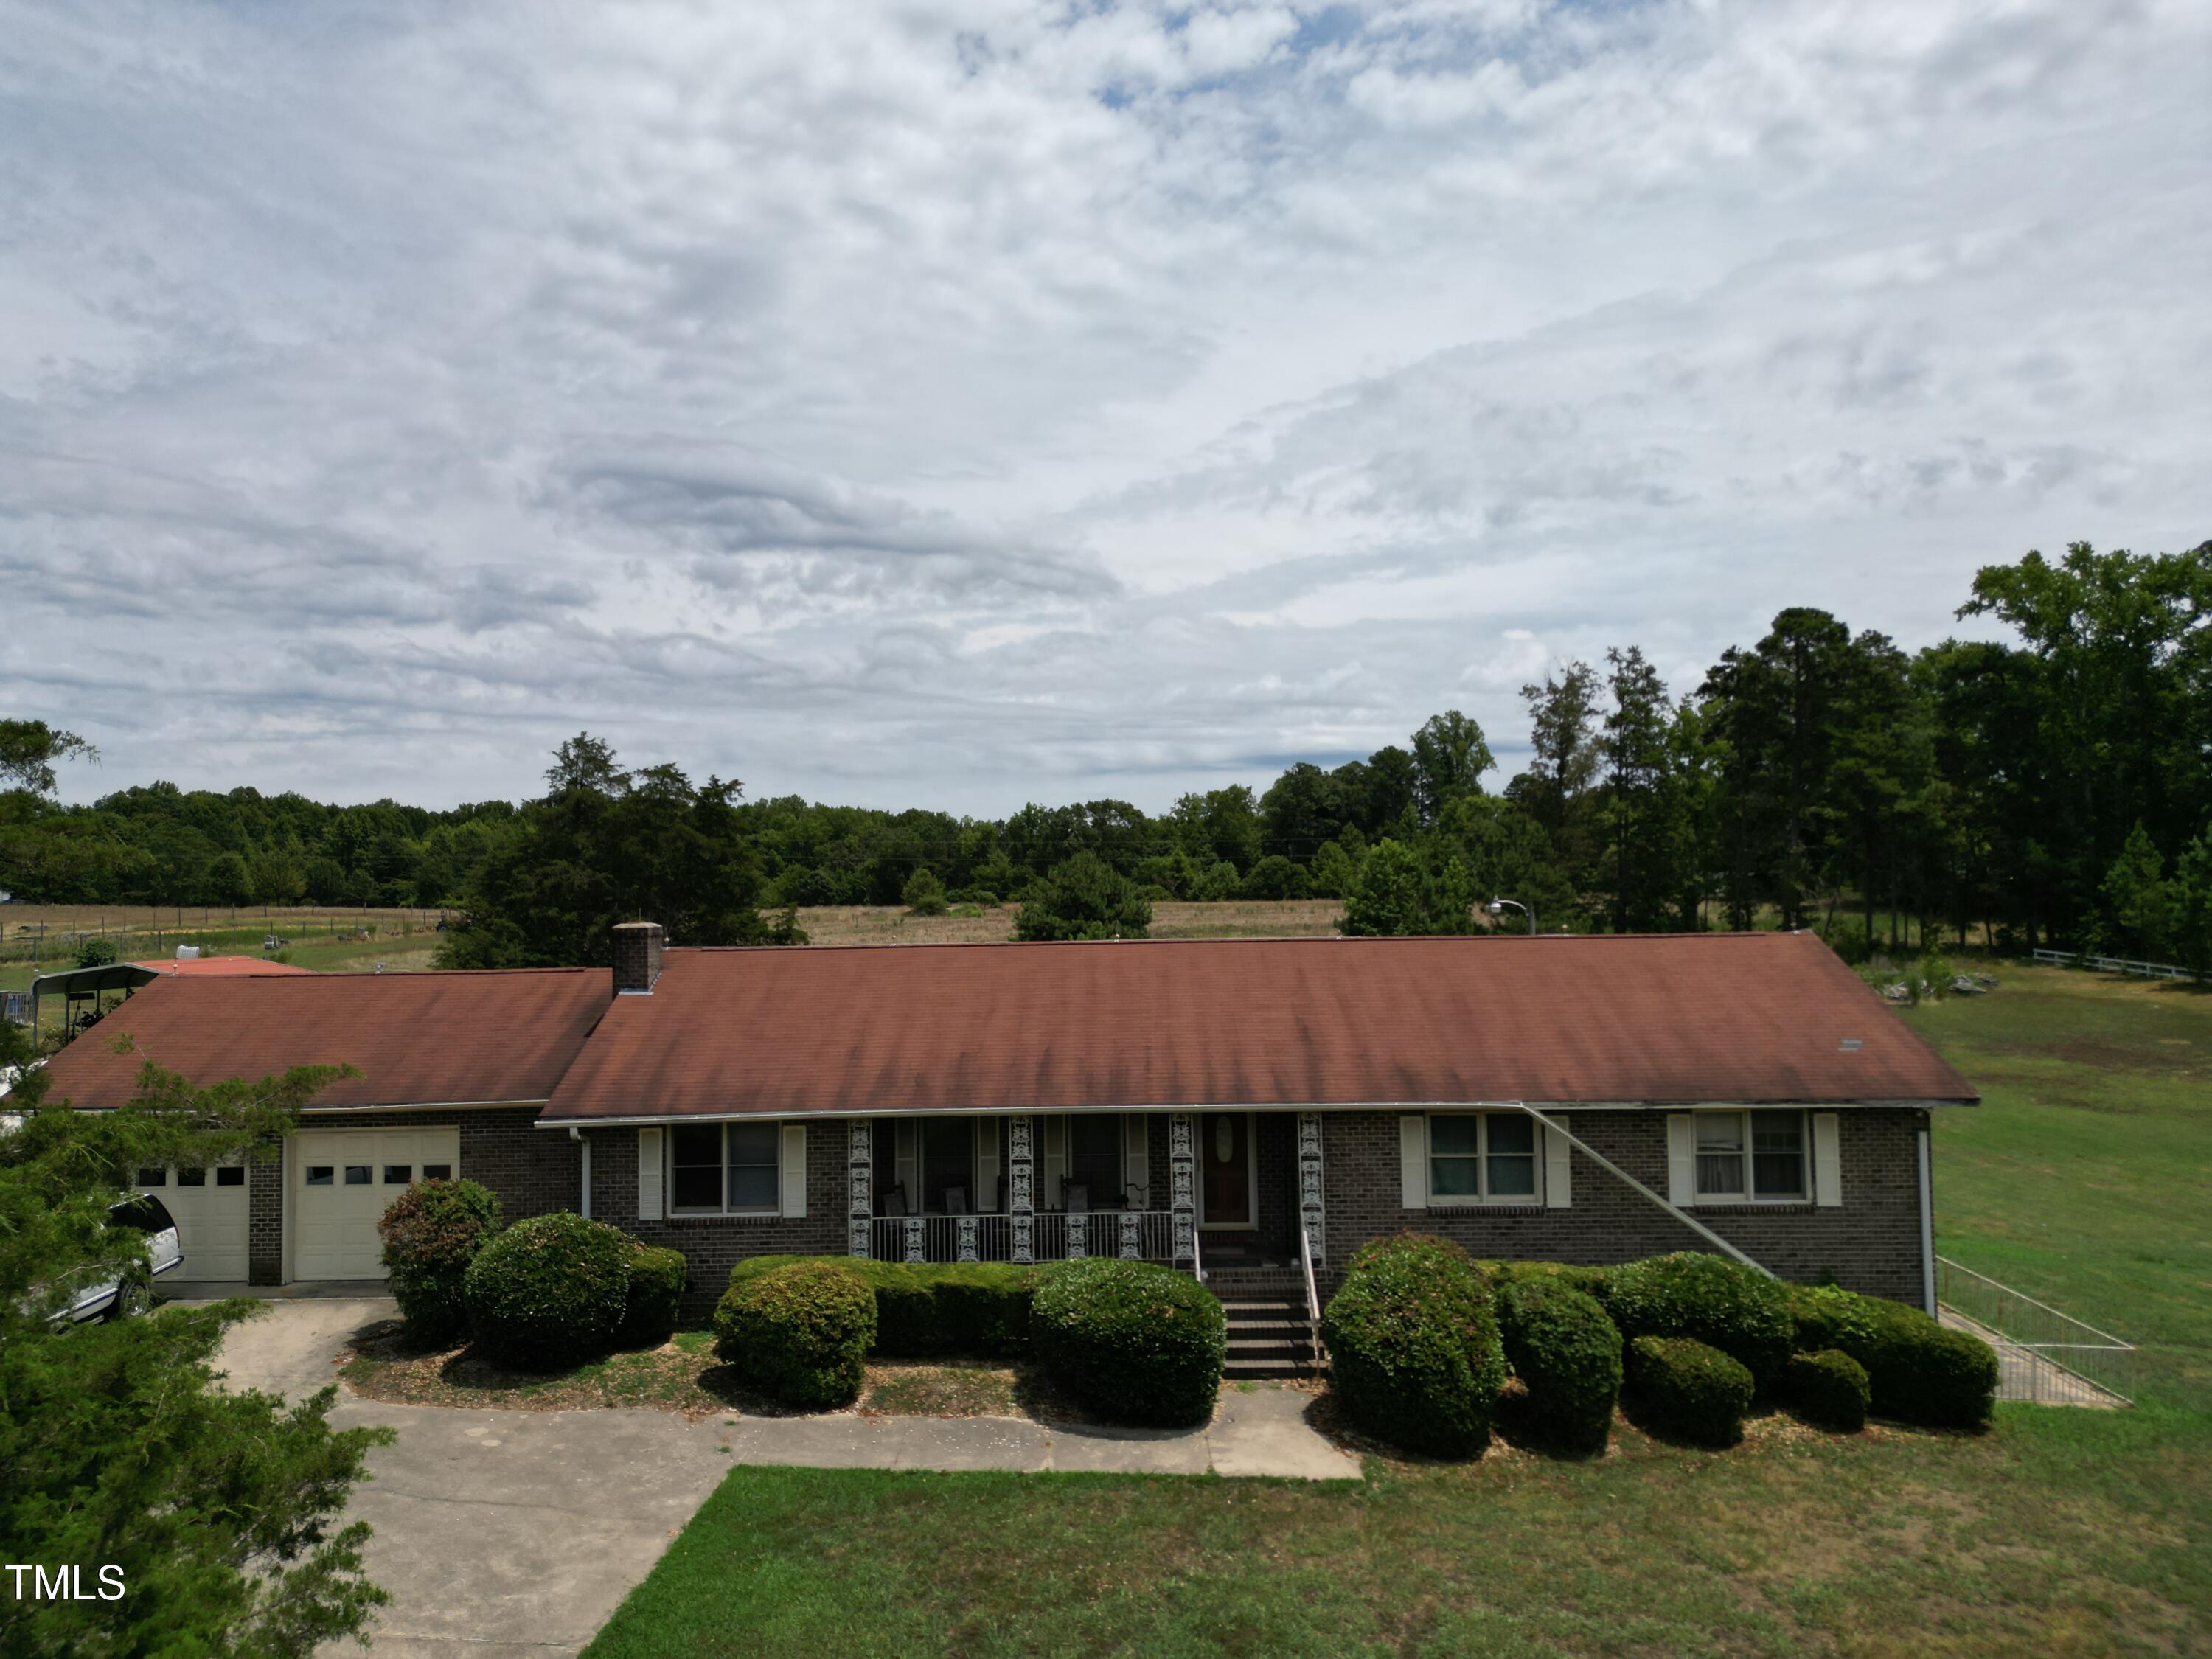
{"type": "Point", "coordinates": [1021, 1201]}
{"type": "Point", "coordinates": [1183, 1188]}
{"type": "Point", "coordinates": [1310, 1209]}
{"type": "Point", "coordinates": [860, 1184]}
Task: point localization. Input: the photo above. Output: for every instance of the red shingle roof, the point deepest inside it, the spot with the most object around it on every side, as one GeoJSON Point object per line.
{"type": "Point", "coordinates": [1747, 1016]}
{"type": "Point", "coordinates": [416, 1037]}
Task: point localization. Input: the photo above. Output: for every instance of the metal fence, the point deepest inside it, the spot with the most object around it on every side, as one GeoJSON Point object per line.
{"type": "Point", "coordinates": [1055, 1235]}
{"type": "Point", "coordinates": [2045, 1358]}
{"type": "Point", "coordinates": [2114, 964]}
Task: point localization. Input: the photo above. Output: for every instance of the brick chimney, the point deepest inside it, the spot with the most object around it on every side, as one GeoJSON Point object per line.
{"type": "Point", "coordinates": [637, 957]}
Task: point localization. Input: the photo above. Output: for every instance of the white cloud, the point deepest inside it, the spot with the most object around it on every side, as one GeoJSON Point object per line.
{"type": "Point", "coordinates": [958, 403]}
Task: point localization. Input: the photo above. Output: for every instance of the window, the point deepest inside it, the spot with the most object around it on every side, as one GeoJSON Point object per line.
{"type": "Point", "coordinates": [191, 1177]}
{"type": "Point", "coordinates": [1768, 1146]}
{"type": "Point", "coordinates": [153, 1177]}
{"type": "Point", "coordinates": [233, 1176]}
{"type": "Point", "coordinates": [1094, 1159]}
{"type": "Point", "coordinates": [1479, 1158]}
{"type": "Point", "coordinates": [399, 1174]}
{"type": "Point", "coordinates": [437, 1172]}
{"type": "Point", "coordinates": [318, 1175]}
{"type": "Point", "coordinates": [357, 1174]}
{"type": "Point", "coordinates": [717, 1169]}
{"type": "Point", "coordinates": [695, 1157]}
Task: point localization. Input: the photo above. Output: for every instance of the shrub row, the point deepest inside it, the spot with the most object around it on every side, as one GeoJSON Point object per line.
{"type": "Point", "coordinates": [1829, 1389]}
{"type": "Point", "coordinates": [1916, 1371]}
{"type": "Point", "coordinates": [1135, 1342]}
{"type": "Point", "coordinates": [548, 1291]}
{"type": "Point", "coordinates": [980, 1309]}
{"type": "Point", "coordinates": [1708, 1299]}
{"type": "Point", "coordinates": [1414, 1349]}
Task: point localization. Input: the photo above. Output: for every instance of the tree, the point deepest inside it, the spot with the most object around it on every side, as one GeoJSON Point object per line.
{"type": "Point", "coordinates": [1398, 893]}
{"type": "Point", "coordinates": [587, 764]}
{"type": "Point", "coordinates": [1450, 757]}
{"type": "Point", "coordinates": [118, 1445]}
{"type": "Point", "coordinates": [1220, 824]}
{"type": "Point", "coordinates": [923, 894]}
{"type": "Point", "coordinates": [1302, 809]}
{"type": "Point", "coordinates": [655, 846]}
{"type": "Point", "coordinates": [1641, 806]}
{"type": "Point", "coordinates": [1563, 763]}
{"type": "Point", "coordinates": [1504, 855]}
{"type": "Point", "coordinates": [1275, 878]}
{"type": "Point", "coordinates": [28, 750]}
{"type": "Point", "coordinates": [2137, 899]}
{"type": "Point", "coordinates": [1084, 898]}
{"type": "Point", "coordinates": [2192, 905]}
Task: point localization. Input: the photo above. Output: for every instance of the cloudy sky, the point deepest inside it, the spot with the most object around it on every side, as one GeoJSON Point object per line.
{"type": "Point", "coordinates": [960, 403]}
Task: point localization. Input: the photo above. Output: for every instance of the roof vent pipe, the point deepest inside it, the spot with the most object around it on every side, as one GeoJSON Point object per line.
{"type": "Point", "coordinates": [637, 957]}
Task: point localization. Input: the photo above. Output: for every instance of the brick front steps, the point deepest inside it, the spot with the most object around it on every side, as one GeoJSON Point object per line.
{"type": "Point", "coordinates": [1269, 1335]}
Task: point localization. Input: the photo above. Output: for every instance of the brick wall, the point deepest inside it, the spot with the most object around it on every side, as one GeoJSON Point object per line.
{"type": "Point", "coordinates": [713, 1244]}
{"type": "Point", "coordinates": [1871, 1242]}
{"type": "Point", "coordinates": [531, 1170]}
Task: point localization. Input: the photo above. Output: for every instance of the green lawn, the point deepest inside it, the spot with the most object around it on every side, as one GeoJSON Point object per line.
{"type": "Point", "coordinates": [2060, 1531]}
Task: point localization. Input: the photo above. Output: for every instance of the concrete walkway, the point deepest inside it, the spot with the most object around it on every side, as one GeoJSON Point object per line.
{"type": "Point", "coordinates": [502, 1534]}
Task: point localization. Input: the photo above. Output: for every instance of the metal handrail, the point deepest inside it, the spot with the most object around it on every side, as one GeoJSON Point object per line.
{"type": "Point", "coordinates": [2015, 1323]}
{"type": "Point", "coordinates": [1313, 1296]}
{"type": "Point", "coordinates": [2108, 1339]}
{"type": "Point", "coordinates": [1197, 1266]}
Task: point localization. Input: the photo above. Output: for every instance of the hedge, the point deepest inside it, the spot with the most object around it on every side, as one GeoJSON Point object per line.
{"type": "Point", "coordinates": [799, 1333]}
{"type": "Point", "coordinates": [1708, 1299]}
{"type": "Point", "coordinates": [1563, 1348]}
{"type": "Point", "coordinates": [549, 1290]}
{"type": "Point", "coordinates": [655, 1296]}
{"type": "Point", "coordinates": [1689, 1389]}
{"type": "Point", "coordinates": [1413, 1348]}
{"type": "Point", "coordinates": [1917, 1370]}
{"type": "Point", "coordinates": [1591, 1281]}
{"type": "Point", "coordinates": [1829, 1389]}
{"type": "Point", "coordinates": [431, 1233]}
{"type": "Point", "coordinates": [1136, 1342]}
{"type": "Point", "coordinates": [979, 1309]}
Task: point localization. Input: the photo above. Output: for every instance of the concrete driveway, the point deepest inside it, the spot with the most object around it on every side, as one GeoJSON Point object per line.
{"type": "Point", "coordinates": [500, 1534]}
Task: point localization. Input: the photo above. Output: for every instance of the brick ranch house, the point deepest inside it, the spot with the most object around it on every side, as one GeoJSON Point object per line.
{"type": "Point", "coordinates": [1226, 1105]}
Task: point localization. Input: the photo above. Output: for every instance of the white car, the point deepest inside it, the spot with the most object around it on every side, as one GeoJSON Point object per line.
{"type": "Point", "coordinates": [119, 1298]}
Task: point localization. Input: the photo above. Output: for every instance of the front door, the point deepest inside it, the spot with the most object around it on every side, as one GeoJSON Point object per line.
{"type": "Point", "coordinates": [1225, 1154]}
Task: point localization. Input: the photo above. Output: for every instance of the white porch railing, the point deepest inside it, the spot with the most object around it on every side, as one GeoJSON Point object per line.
{"type": "Point", "coordinates": [1055, 1235]}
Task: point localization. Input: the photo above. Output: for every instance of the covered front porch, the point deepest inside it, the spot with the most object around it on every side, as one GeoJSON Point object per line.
{"type": "Point", "coordinates": [1170, 1186]}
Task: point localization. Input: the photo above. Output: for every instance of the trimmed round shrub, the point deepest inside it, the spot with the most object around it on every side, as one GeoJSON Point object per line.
{"type": "Point", "coordinates": [655, 1296]}
{"type": "Point", "coordinates": [1829, 1389]}
{"type": "Point", "coordinates": [1414, 1350]}
{"type": "Point", "coordinates": [1561, 1345]}
{"type": "Point", "coordinates": [1687, 1389]}
{"type": "Point", "coordinates": [431, 1233]}
{"type": "Point", "coordinates": [1918, 1370]}
{"type": "Point", "coordinates": [799, 1333]}
{"type": "Point", "coordinates": [1136, 1342]}
{"type": "Point", "coordinates": [1708, 1299]}
{"type": "Point", "coordinates": [550, 1290]}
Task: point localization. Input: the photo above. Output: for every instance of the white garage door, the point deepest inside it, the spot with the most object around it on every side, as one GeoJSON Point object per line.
{"type": "Point", "coordinates": [208, 1206]}
{"type": "Point", "coordinates": [342, 1181]}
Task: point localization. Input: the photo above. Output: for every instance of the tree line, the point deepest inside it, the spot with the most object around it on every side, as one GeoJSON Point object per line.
{"type": "Point", "coordinates": [2052, 786]}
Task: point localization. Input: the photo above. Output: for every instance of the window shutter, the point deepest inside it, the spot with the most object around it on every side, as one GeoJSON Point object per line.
{"type": "Point", "coordinates": [1681, 1160]}
{"type": "Point", "coordinates": [1827, 1159]}
{"type": "Point", "coordinates": [1413, 1163]}
{"type": "Point", "coordinates": [1136, 1169]}
{"type": "Point", "coordinates": [1558, 1194]}
{"type": "Point", "coordinates": [794, 1171]}
{"type": "Point", "coordinates": [649, 1174]}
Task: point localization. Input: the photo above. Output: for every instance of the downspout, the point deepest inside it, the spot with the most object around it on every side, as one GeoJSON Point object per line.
{"type": "Point", "coordinates": [1689, 1221]}
{"type": "Point", "coordinates": [1927, 1225]}
{"type": "Point", "coordinates": [577, 1135]}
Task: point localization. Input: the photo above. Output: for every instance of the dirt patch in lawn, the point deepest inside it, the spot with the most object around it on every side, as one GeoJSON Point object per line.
{"type": "Point", "coordinates": [681, 1374]}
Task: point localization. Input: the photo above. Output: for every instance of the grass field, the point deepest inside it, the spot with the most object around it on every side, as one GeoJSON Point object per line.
{"type": "Point", "coordinates": [2084, 1180]}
